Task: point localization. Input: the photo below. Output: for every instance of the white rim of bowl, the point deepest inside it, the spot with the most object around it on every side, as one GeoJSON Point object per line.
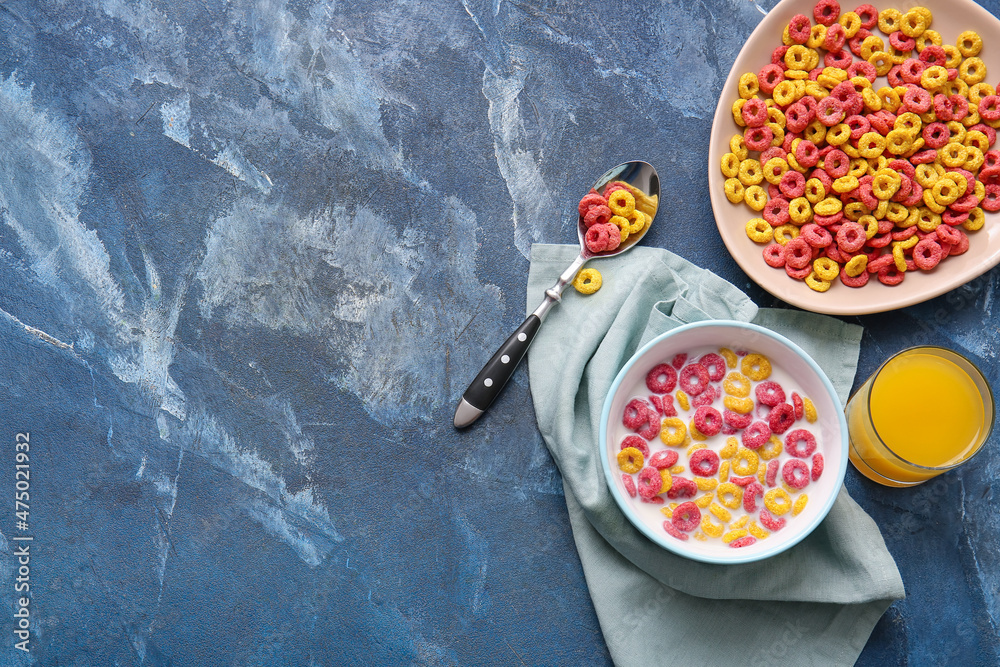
{"type": "Point", "coordinates": [676, 546]}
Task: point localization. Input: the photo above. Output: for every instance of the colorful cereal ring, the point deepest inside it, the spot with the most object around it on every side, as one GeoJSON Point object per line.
{"type": "Point", "coordinates": [781, 418]}
{"type": "Point", "coordinates": [777, 501]}
{"type": "Point", "coordinates": [704, 463]}
{"type": "Point", "coordinates": [755, 435]}
{"type": "Point", "coordinates": [664, 460]}
{"type": "Point", "coordinates": [795, 473]}
{"type": "Point", "coordinates": [769, 393]}
{"type": "Point", "coordinates": [650, 482]}
{"type": "Point", "coordinates": [682, 488]}
{"type": "Point", "coordinates": [800, 443]}
{"type": "Point", "coordinates": [636, 442]}
{"type": "Point", "coordinates": [693, 379]}
{"type": "Point", "coordinates": [661, 379]}
{"type": "Point", "coordinates": [629, 485]}
{"type": "Point", "coordinates": [817, 466]}
{"type": "Point", "coordinates": [636, 414]}
{"type": "Point", "coordinates": [630, 460]}
{"type": "Point", "coordinates": [708, 420]}
{"type": "Point", "coordinates": [770, 522]}
{"type": "Point", "coordinates": [686, 517]}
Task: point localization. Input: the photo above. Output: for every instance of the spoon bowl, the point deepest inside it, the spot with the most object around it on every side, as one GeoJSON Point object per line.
{"type": "Point", "coordinates": [641, 179]}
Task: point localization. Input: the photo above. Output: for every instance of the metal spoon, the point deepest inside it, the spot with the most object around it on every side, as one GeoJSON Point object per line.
{"type": "Point", "coordinates": [499, 369]}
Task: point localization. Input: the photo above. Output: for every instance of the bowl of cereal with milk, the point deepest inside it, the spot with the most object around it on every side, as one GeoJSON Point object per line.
{"type": "Point", "coordinates": [723, 442]}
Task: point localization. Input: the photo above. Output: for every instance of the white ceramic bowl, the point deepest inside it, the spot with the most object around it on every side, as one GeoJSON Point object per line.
{"type": "Point", "coordinates": [793, 368]}
{"type": "Point", "coordinates": [951, 17]}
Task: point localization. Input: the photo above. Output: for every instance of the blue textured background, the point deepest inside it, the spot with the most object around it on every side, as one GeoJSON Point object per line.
{"type": "Point", "coordinates": [252, 253]}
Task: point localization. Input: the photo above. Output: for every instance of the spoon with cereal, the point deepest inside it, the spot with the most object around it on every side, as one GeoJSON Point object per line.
{"type": "Point", "coordinates": [614, 216]}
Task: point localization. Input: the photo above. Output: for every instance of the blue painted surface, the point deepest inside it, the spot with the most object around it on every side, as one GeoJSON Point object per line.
{"type": "Point", "coordinates": [251, 253]}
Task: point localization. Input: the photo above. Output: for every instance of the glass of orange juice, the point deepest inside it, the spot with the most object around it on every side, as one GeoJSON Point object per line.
{"type": "Point", "coordinates": [925, 411]}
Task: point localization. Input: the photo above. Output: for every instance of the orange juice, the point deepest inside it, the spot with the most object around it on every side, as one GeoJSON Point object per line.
{"type": "Point", "coordinates": [925, 411]}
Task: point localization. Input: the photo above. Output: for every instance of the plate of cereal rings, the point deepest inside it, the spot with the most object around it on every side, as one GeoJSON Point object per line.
{"type": "Point", "coordinates": [723, 442]}
{"type": "Point", "coordinates": [853, 163]}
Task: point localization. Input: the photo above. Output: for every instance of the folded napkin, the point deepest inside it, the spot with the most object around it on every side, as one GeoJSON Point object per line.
{"type": "Point", "coordinates": [814, 604]}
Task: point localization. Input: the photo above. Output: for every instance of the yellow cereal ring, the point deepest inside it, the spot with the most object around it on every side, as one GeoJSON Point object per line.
{"type": "Point", "coordinates": [734, 190]}
{"type": "Point", "coordinates": [704, 501]}
{"type": "Point", "coordinates": [898, 258]}
{"type": "Point", "coordinates": [729, 450]}
{"type": "Point", "coordinates": [733, 535]}
{"type": "Point", "coordinates": [972, 70]}
{"type": "Point", "coordinates": [928, 220]}
{"type": "Point", "coordinates": [856, 266]}
{"type": "Point", "coordinates": [978, 91]}
{"type": "Point", "coordinates": [730, 165]}
{"type": "Point", "coordinates": [710, 528]}
{"type": "Point", "coordinates": [699, 535]}
{"type": "Point", "coordinates": [630, 460]}
{"type": "Point", "coordinates": [851, 22]}
{"type": "Point", "coordinates": [755, 197]}
{"type": "Point", "coordinates": [740, 523]}
{"type": "Point", "coordinates": [871, 144]}
{"type": "Point", "coordinates": [729, 356]}
{"type": "Point", "coordinates": [587, 281]}
{"type": "Point", "coordinates": [676, 470]}
{"type": "Point", "coordinates": [800, 211]}
{"type": "Point", "coordinates": [621, 202]}
{"type": "Point", "coordinates": [784, 94]}
{"type": "Point", "coordinates": [720, 512]}
{"type": "Point", "coordinates": [799, 504]}
{"type": "Point", "coordinates": [969, 43]}
{"type": "Point", "coordinates": [755, 366]}
{"type": "Point", "coordinates": [777, 501]}
{"type": "Point", "coordinates": [757, 531]}
{"type": "Point", "coordinates": [695, 435]}
{"type": "Point", "coordinates": [880, 60]}
{"type": "Point", "coordinates": [623, 225]}
{"type": "Point", "coordinates": [668, 481]}
{"type": "Point", "coordinates": [913, 24]}
{"type": "Point", "coordinates": [934, 77]}
{"type": "Point", "coordinates": [975, 221]}
{"type": "Point", "coordinates": [845, 184]}
{"type": "Point", "coordinates": [945, 191]}
{"type": "Point", "coordinates": [673, 432]}
{"type": "Point", "coordinates": [668, 511]}
{"type": "Point", "coordinates": [899, 141]}
{"type": "Point", "coordinates": [738, 146]}
{"type": "Point", "coordinates": [815, 132]}
{"type": "Point", "coordinates": [871, 100]}
{"type": "Point", "coordinates": [774, 169]}
{"type": "Point", "coordinates": [706, 483]}
{"type": "Point", "coordinates": [740, 406]}
{"type": "Point", "coordinates": [815, 190]}
{"type": "Point", "coordinates": [744, 463]}
{"type": "Point", "coordinates": [896, 212]}
{"type": "Point", "coordinates": [889, 20]}
{"type": "Point", "coordinates": [771, 449]}
{"type": "Point", "coordinates": [750, 172]}
{"type": "Point", "coordinates": [736, 384]}
{"type": "Point", "coordinates": [748, 85]}
{"type": "Point", "coordinates": [683, 400]}
{"type": "Point", "coordinates": [730, 495]}
{"type": "Point", "coordinates": [724, 471]}
{"type": "Point", "coordinates": [638, 222]}
{"type": "Point", "coordinates": [809, 410]}
{"type": "Point", "coordinates": [816, 36]}
{"type": "Point", "coordinates": [953, 55]}
{"type": "Point", "coordinates": [927, 38]}
{"type": "Point", "coordinates": [829, 206]}
{"type": "Point", "coordinates": [775, 115]}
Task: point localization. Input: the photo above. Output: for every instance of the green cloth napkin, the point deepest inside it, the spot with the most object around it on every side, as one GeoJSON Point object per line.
{"type": "Point", "coordinates": [814, 604]}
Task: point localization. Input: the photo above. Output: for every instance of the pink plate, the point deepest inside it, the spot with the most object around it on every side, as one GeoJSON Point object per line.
{"type": "Point", "coordinates": [951, 17]}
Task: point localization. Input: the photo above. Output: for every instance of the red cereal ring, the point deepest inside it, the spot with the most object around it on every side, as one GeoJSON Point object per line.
{"type": "Point", "coordinates": [650, 482]}
{"type": "Point", "coordinates": [792, 184]}
{"type": "Point", "coordinates": [638, 443]}
{"type": "Point", "coordinates": [669, 527]}
{"type": "Point", "coordinates": [591, 199]}
{"type": "Point", "coordinates": [769, 393]}
{"type": "Point", "coordinates": [741, 542]}
{"type": "Point", "coordinates": [776, 212]}
{"type": "Point", "coordinates": [708, 420]}
{"type": "Point", "coordinates": [798, 253]}
{"type": "Point", "coordinates": [715, 365]}
{"type": "Point", "coordinates": [798, 274]}
{"type": "Point", "coordinates": [770, 522]}
{"type": "Point", "coordinates": [818, 465]}
{"type": "Point", "coordinates": [840, 59]}
{"type": "Point", "coordinates": [902, 42]}
{"type": "Point", "coordinates": [835, 38]}
{"type": "Point", "coordinates": [815, 236]}
{"type": "Point", "coordinates": [794, 472]}
{"type": "Point", "coordinates": [678, 361]}
{"type": "Point", "coordinates": [850, 237]}
{"type": "Point", "coordinates": [736, 420]}
{"type": "Point", "coordinates": [706, 397]}
{"type": "Point", "coordinates": [664, 459]}
{"type": "Point", "coordinates": [857, 281]}
{"type": "Point", "coordinates": [771, 475]}
{"type": "Point", "coordinates": [750, 493]}
{"type": "Point", "coordinates": [798, 405]}
{"type": "Point", "coordinates": [991, 202]}
{"type": "Point", "coordinates": [754, 112]}
{"type": "Point", "coordinates": [835, 162]}
{"type": "Point", "coordinates": [830, 111]}
{"type": "Point", "coordinates": [597, 237]}
{"type": "Point", "coordinates": [862, 68]}
{"type": "Point", "coordinates": [682, 487]}
{"type": "Point", "coordinates": [661, 379]}
{"type": "Point", "coordinates": [774, 255]}
{"type": "Point", "coordinates": [891, 276]}
{"type": "Point", "coordinates": [826, 12]}
{"type": "Point", "coordinates": [926, 254]}
{"type": "Point", "coordinates": [693, 379]}
{"type": "Point", "coordinates": [962, 245]}
{"type": "Point", "coordinates": [878, 263]}
{"type": "Point", "coordinates": [868, 16]}
{"type": "Point", "coordinates": [807, 154]}
{"type": "Point", "coordinates": [797, 118]}
{"type": "Point", "coordinates": [799, 28]}
{"type": "Point", "coordinates": [629, 485]}
{"type": "Point", "coordinates": [742, 481]}
{"type": "Point", "coordinates": [770, 76]}
{"type": "Point", "coordinates": [780, 419]}
{"type": "Point", "coordinates": [651, 428]}
{"type": "Point", "coordinates": [947, 234]}
{"type": "Point", "coordinates": [917, 100]}
{"type": "Point", "coordinates": [657, 402]}
{"type": "Point", "coordinates": [636, 414]}
{"type": "Point", "coordinates": [704, 463]}
{"type": "Point", "coordinates": [597, 215]}
{"type": "Point", "coordinates": [755, 435]}
{"type": "Point", "coordinates": [686, 517]}
{"type": "Point", "coordinates": [800, 443]}
{"type": "Point", "coordinates": [933, 55]}
{"type": "Point", "coordinates": [758, 138]}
